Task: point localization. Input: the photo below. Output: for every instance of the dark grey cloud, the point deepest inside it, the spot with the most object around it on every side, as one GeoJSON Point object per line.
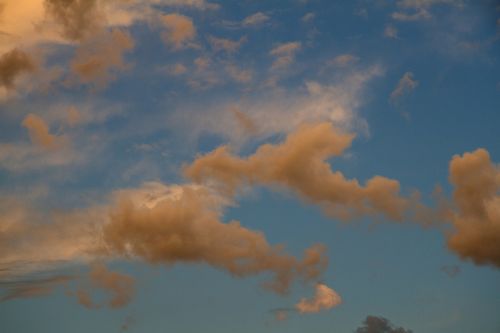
{"type": "Point", "coordinates": [374, 324]}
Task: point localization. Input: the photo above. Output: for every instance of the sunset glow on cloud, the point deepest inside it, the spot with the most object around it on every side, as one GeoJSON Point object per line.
{"type": "Point", "coordinates": [188, 165]}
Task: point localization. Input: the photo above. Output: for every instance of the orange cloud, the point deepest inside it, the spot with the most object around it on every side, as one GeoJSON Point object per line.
{"type": "Point", "coordinates": [182, 224]}
{"type": "Point", "coordinates": [40, 134]}
{"type": "Point", "coordinates": [180, 30]}
{"type": "Point", "coordinates": [121, 287]}
{"type": "Point", "coordinates": [477, 218]}
{"type": "Point", "coordinates": [99, 58]}
{"type": "Point", "coordinates": [299, 164]}
{"type": "Point", "coordinates": [77, 18]}
{"type": "Point", "coordinates": [324, 299]}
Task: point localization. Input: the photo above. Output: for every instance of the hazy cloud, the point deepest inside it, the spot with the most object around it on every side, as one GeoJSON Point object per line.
{"type": "Point", "coordinates": [180, 30]}
{"type": "Point", "coordinates": [98, 59]}
{"type": "Point", "coordinates": [405, 85]}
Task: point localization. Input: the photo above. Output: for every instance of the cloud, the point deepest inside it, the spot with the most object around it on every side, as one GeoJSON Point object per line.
{"type": "Point", "coordinates": [29, 288]}
{"type": "Point", "coordinates": [281, 112]}
{"type": "Point", "coordinates": [308, 17]}
{"type": "Point", "coordinates": [245, 122]}
{"type": "Point", "coordinates": [285, 54]}
{"type": "Point", "coordinates": [176, 69]}
{"type": "Point", "coordinates": [391, 32]}
{"type": "Point", "coordinates": [405, 85]}
{"type": "Point", "coordinates": [121, 288]}
{"type": "Point", "coordinates": [13, 64]}
{"type": "Point", "coordinates": [343, 60]}
{"type": "Point", "coordinates": [29, 235]}
{"type": "Point", "coordinates": [324, 299]}
{"type": "Point", "coordinates": [238, 74]}
{"type": "Point", "coordinates": [200, 4]}
{"type": "Point", "coordinates": [373, 324]}
{"type": "Point", "coordinates": [415, 10]}
{"type": "Point", "coordinates": [78, 19]}
{"type": "Point", "coordinates": [300, 164]}
{"type": "Point", "coordinates": [226, 45]}
{"type": "Point", "coordinates": [157, 224]}
{"type": "Point", "coordinates": [421, 14]}
{"type": "Point", "coordinates": [180, 30]}
{"type": "Point", "coordinates": [98, 59]}
{"type": "Point", "coordinates": [39, 132]}
{"type": "Point", "coordinates": [424, 3]}
{"type": "Point", "coordinates": [256, 19]}
{"type": "Point", "coordinates": [169, 225]}
{"type": "Point", "coordinates": [476, 234]}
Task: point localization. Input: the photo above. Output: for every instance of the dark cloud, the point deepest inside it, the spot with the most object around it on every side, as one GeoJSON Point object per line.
{"type": "Point", "coordinates": [13, 64]}
{"type": "Point", "coordinates": [373, 324]}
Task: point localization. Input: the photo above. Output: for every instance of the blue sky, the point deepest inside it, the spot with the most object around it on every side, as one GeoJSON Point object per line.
{"type": "Point", "coordinates": [242, 166]}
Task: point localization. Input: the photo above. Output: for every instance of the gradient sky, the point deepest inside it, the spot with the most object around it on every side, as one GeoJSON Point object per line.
{"type": "Point", "coordinates": [250, 166]}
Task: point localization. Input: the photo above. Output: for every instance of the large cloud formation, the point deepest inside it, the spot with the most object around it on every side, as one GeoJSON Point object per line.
{"type": "Point", "coordinates": [158, 224]}
{"type": "Point", "coordinates": [300, 164]}
{"type": "Point", "coordinates": [182, 224]}
{"type": "Point", "coordinates": [477, 218]}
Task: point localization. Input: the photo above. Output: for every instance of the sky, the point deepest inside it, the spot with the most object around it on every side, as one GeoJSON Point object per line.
{"type": "Point", "coordinates": [250, 166]}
